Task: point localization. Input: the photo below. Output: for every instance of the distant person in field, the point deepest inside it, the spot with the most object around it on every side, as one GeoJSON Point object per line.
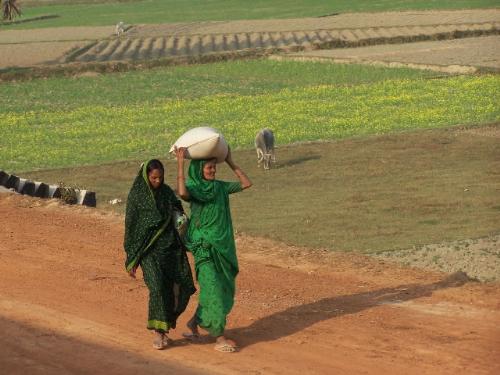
{"type": "Point", "coordinates": [152, 242]}
{"type": "Point", "coordinates": [210, 239]}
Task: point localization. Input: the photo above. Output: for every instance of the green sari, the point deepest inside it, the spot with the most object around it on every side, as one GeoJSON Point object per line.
{"type": "Point", "coordinates": [210, 238]}
{"type": "Point", "coordinates": [151, 241]}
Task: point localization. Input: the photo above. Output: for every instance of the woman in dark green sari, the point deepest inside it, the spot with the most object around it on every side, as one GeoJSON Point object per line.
{"type": "Point", "coordinates": [210, 238]}
{"type": "Point", "coordinates": [152, 242]}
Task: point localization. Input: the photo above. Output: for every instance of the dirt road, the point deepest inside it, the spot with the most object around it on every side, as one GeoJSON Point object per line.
{"type": "Point", "coordinates": [67, 306]}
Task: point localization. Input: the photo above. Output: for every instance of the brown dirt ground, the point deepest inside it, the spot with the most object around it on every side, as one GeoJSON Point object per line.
{"type": "Point", "coordinates": [29, 54]}
{"type": "Point", "coordinates": [26, 48]}
{"type": "Point", "coordinates": [67, 306]}
{"type": "Point", "coordinates": [469, 52]}
{"type": "Point", "coordinates": [22, 48]}
{"type": "Point", "coordinates": [341, 21]}
{"type": "Point", "coordinates": [56, 34]}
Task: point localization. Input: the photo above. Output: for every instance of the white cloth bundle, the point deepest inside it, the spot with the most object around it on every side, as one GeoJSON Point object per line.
{"type": "Point", "coordinates": [202, 143]}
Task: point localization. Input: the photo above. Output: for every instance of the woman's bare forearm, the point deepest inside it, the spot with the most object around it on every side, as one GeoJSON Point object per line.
{"type": "Point", "coordinates": [181, 179]}
{"type": "Point", "coordinates": [242, 177]}
{"type": "Point", "coordinates": [244, 180]}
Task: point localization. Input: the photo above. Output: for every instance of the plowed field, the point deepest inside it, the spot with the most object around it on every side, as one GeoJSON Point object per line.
{"type": "Point", "coordinates": [196, 39]}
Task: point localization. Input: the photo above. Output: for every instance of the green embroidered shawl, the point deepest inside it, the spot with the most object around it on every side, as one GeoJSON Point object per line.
{"type": "Point", "coordinates": [148, 216]}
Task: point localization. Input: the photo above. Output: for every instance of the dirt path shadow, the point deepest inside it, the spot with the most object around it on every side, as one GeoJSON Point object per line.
{"type": "Point", "coordinates": [297, 318]}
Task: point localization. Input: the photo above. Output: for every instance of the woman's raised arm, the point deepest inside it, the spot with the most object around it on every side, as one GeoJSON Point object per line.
{"type": "Point", "coordinates": [244, 180]}
{"type": "Point", "coordinates": [181, 180]}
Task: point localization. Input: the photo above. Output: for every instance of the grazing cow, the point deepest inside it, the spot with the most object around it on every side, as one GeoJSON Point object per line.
{"type": "Point", "coordinates": [119, 29]}
{"type": "Point", "coordinates": [264, 145]}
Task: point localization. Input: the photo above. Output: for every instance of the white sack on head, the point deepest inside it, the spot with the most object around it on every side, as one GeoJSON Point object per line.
{"type": "Point", "coordinates": [203, 143]}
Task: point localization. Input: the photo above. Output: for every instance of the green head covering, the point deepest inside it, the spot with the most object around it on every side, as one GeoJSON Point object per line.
{"type": "Point", "coordinates": [201, 189]}
{"type": "Point", "coordinates": [195, 171]}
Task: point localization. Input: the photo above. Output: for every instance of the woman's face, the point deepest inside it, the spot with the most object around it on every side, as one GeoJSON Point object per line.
{"type": "Point", "coordinates": [209, 170]}
{"type": "Point", "coordinates": [155, 178]}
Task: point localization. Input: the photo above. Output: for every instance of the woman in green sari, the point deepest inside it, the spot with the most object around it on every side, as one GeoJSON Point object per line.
{"type": "Point", "coordinates": [152, 242]}
{"type": "Point", "coordinates": [210, 238]}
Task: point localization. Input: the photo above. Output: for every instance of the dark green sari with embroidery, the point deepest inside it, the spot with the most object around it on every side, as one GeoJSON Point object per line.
{"type": "Point", "coordinates": [210, 238]}
{"type": "Point", "coordinates": [151, 241]}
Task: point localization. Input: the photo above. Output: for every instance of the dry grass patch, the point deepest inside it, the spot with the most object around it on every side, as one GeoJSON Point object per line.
{"type": "Point", "coordinates": [366, 194]}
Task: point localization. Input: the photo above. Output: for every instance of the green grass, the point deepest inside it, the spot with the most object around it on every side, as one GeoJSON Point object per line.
{"type": "Point", "coordinates": [94, 134]}
{"type": "Point", "coordinates": [365, 193]}
{"type": "Point", "coordinates": [252, 77]}
{"type": "Point", "coordinates": [166, 11]}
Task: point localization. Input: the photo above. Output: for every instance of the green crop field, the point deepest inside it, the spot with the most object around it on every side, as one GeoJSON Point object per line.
{"type": "Point", "coordinates": [244, 78]}
{"type": "Point", "coordinates": [92, 133]}
{"type": "Point", "coordinates": [93, 13]}
{"type": "Point", "coordinates": [369, 159]}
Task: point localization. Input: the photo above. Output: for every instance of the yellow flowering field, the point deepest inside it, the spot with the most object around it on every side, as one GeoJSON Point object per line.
{"type": "Point", "coordinates": [97, 134]}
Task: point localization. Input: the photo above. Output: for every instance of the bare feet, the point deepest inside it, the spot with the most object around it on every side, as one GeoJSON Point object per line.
{"type": "Point", "coordinates": [193, 326]}
{"type": "Point", "coordinates": [194, 334]}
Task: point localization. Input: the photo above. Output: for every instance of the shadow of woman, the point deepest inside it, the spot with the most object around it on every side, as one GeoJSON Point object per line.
{"type": "Point", "coordinates": [296, 318]}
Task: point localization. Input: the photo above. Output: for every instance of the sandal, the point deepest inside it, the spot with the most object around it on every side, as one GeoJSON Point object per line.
{"type": "Point", "coordinates": [225, 348]}
{"type": "Point", "coordinates": [161, 341]}
{"type": "Point", "coordinates": [158, 344]}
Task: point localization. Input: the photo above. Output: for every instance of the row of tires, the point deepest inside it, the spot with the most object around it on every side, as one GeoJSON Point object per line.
{"type": "Point", "coordinates": [42, 190]}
